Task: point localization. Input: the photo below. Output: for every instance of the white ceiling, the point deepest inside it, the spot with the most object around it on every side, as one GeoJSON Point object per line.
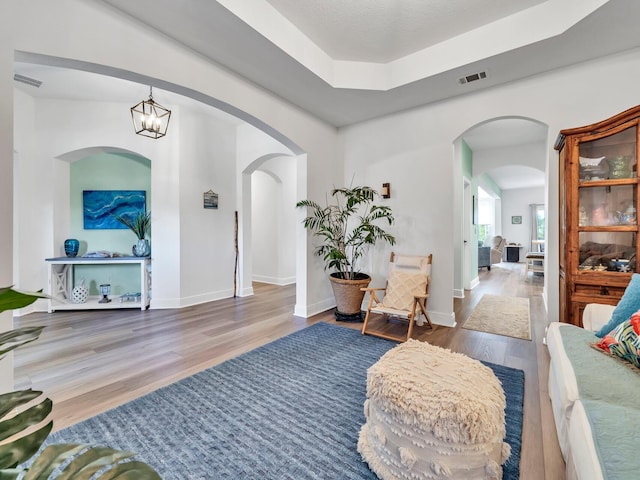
{"type": "Point", "coordinates": [278, 45]}
{"type": "Point", "coordinates": [385, 30]}
{"type": "Point", "coordinates": [505, 132]}
{"type": "Point", "coordinates": [509, 132]}
{"type": "Point", "coordinates": [348, 61]}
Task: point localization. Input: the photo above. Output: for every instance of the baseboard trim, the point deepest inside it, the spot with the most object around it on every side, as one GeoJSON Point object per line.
{"type": "Point", "coordinates": [306, 311]}
{"type": "Point", "coordinates": [443, 319]}
{"type": "Point", "coordinates": [274, 280]}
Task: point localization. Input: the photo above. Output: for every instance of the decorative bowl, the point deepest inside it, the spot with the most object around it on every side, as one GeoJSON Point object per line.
{"type": "Point", "coordinates": [590, 162]}
{"type": "Point", "coordinates": [621, 265]}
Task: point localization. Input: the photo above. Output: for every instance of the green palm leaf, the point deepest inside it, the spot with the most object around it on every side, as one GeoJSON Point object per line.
{"type": "Point", "coordinates": [11, 299]}
{"type": "Point", "coordinates": [19, 451]}
{"type": "Point", "coordinates": [348, 227]}
{"type": "Point", "coordinates": [82, 462]}
{"type": "Point", "coordinates": [139, 224]}
{"type": "Point", "coordinates": [13, 339]}
{"type": "Point", "coordinates": [31, 416]}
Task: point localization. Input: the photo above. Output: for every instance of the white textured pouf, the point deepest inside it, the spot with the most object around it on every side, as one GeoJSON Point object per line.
{"type": "Point", "coordinates": [431, 413]}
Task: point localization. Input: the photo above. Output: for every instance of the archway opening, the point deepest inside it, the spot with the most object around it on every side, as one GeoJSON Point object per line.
{"type": "Point", "coordinates": [505, 158]}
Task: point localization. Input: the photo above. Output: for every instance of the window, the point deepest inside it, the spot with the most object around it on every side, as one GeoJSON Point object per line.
{"type": "Point", "coordinates": [486, 215]}
{"type": "Point", "coordinates": [537, 228]}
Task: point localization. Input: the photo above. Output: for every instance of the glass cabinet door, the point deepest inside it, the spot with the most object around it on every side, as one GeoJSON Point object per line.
{"type": "Point", "coordinates": [612, 157]}
{"type": "Point", "coordinates": [607, 202]}
{"type": "Point", "coordinates": [607, 251]}
{"type": "Point", "coordinates": [607, 206]}
{"type": "Point", "coordinates": [607, 158]}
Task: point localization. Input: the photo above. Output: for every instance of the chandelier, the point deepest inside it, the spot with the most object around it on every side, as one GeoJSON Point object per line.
{"type": "Point", "coordinates": [150, 119]}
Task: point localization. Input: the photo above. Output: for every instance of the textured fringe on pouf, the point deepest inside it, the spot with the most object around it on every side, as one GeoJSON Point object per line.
{"type": "Point", "coordinates": [433, 414]}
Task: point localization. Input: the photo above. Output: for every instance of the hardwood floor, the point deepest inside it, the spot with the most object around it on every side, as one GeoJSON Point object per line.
{"type": "Point", "coordinates": [91, 361]}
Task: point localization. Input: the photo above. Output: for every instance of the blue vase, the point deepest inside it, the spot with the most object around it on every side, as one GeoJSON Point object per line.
{"type": "Point", "coordinates": [71, 246]}
{"type": "Point", "coordinates": [142, 248]}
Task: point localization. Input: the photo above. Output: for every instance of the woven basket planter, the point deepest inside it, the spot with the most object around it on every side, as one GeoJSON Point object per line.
{"type": "Point", "coordinates": [348, 293]}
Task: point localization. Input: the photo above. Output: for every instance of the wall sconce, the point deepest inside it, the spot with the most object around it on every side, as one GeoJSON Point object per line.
{"type": "Point", "coordinates": [386, 190]}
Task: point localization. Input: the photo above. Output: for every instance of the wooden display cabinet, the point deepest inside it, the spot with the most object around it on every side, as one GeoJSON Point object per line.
{"type": "Point", "coordinates": [598, 212]}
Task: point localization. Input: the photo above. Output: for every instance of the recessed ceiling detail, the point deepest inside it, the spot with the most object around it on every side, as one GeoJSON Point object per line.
{"type": "Point", "coordinates": [382, 31]}
{"type": "Point", "coordinates": [256, 41]}
{"type": "Point", "coordinates": [337, 40]}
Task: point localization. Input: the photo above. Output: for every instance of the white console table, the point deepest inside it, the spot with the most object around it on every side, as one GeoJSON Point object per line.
{"type": "Point", "coordinates": [60, 272]}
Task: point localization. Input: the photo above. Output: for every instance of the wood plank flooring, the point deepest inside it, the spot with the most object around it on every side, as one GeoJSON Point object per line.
{"type": "Point", "coordinates": [90, 361]}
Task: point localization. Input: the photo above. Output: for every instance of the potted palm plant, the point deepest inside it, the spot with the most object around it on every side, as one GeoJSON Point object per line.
{"type": "Point", "coordinates": [139, 224]}
{"type": "Point", "coordinates": [347, 229]}
{"type": "Point", "coordinates": [24, 426]}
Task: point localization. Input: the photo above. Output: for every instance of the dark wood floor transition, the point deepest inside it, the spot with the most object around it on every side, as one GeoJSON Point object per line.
{"type": "Point", "coordinates": [88, 362]}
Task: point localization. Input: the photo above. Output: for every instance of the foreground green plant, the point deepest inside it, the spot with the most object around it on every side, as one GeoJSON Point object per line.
{"type": "Point", "coordinates": [26, 410]}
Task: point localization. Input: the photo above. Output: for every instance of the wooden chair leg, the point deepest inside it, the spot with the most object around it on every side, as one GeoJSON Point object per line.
{"type": "Point", "coordinates": [412, 319]}
{"type": "Point", "coordinates": [366, 321]}
{"type": "Point", "coordinates": [423, 308]}
{"type": "Point", "coordinates": [372, 298]}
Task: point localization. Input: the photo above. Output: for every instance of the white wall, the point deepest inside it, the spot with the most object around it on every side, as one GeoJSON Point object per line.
{"type": "Point", "coordinates": [273, 221]}
{"type": "Point", "coordinates": [516, 202]}
{"type": "Point", "coordinates": [414, 150]}
{"type": "Point", "coordinates": [207, 162]}
{"type": "Point", "coordinates": [411, 150]}
{"type": "Point", "coordinates": [33, 28]}
{"type": "Point", "coordinates": [192, 247]}
{"type": "Point", "coordinates": [532, 155]}
{"type": "Point", "coordinates": [407, 150]}
{"type": "Point", "coordinates": [266, 192]}
{"type": "Point", "coordinates": [529, 155]}
{"type": "Point", "coordinates": [254, 149]}
{"type": "Point", "coordinates": [7, 212]}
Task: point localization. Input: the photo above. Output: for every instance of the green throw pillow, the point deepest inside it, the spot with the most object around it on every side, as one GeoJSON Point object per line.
{"type": "Point", "coordinates": [627, 306]}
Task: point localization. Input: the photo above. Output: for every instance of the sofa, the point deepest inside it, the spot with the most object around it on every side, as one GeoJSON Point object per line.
{"type": "Point", "coordinates": [484, 257]}
{"type": "Point", "coordinates": [595, 401]}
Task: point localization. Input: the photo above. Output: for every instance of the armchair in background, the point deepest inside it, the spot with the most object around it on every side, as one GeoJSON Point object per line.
{"type": "Point", "coordinates": [497, 247]}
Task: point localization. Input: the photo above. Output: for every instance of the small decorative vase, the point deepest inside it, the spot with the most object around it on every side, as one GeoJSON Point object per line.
{"type": "Point", "coordinates": [80, 293]}
{"type": "Point", "coordinates": [619, 167]}
{"type": "Point", "coordinates": [71, 246]}
{"type": "Point", "coordinates": [142, 248]}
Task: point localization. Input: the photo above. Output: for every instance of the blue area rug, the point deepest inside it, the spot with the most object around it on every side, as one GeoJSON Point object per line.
{"type": "Point", "coordinates": [291, 409]}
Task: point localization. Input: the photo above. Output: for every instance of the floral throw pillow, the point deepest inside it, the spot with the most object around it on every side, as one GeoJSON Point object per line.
{"type": "Point", "coordinates": [624, 340]}
{"type": "Point", "coordinates": [629, 303]}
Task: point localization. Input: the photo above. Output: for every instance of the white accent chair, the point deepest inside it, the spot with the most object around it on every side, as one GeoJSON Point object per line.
{"type": "Point", "coordinates": [405, 295]}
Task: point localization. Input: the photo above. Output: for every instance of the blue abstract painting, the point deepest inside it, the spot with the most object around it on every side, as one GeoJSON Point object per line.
{"type": "Point", "coordinates": [100, 206]}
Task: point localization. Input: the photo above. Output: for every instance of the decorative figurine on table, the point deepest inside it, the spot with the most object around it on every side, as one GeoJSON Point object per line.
{"type": "Point", "coordinates": [105, 290]}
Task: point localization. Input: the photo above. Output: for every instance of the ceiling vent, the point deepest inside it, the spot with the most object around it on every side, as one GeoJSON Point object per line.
{"type": "Point", "coordinates": [472, 78]}
{"type": "Point", "coordinates": [28, 80]}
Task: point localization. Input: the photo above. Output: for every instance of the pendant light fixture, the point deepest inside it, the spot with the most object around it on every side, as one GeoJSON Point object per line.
{"type": "Point", "coordinates": [150, 118]}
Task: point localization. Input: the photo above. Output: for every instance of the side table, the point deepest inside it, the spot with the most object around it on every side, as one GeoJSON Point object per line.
{"type": "Point", "coordinates": [513, 253]}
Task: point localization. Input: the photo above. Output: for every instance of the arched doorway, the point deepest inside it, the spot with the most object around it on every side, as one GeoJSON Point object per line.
{"type": "Point", "coordinates": [500, 155]}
